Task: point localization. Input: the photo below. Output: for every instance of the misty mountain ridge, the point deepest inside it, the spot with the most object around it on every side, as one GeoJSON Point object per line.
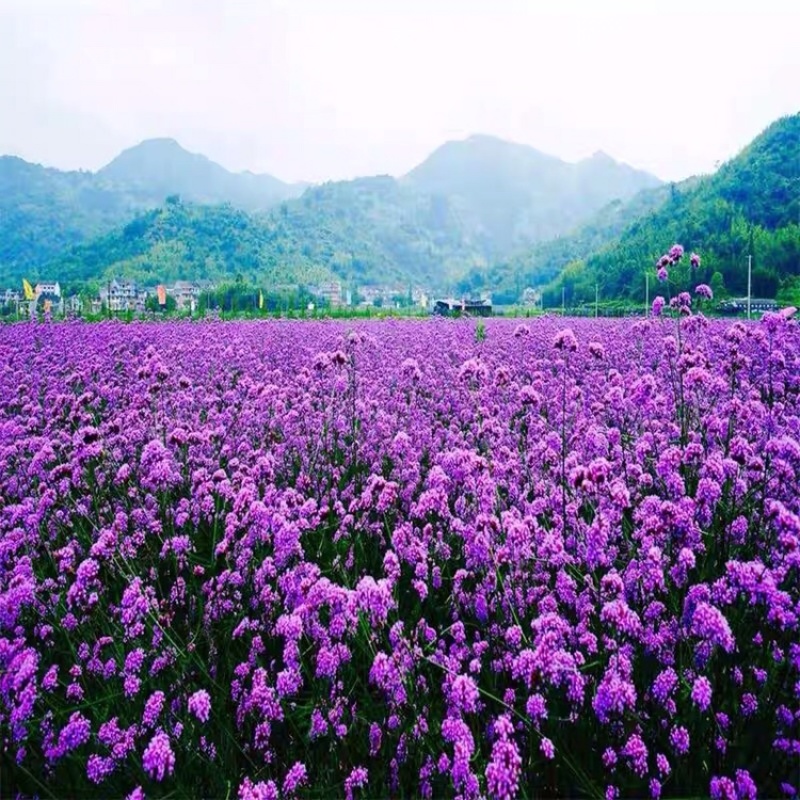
{"type": "Point", "coordinates": [749, 207]}
{"type": "Point", "coordinates": [157, 168]}
{"type": "Point", "coordinates": [513, 195]}
{"type": "Point", "coordinates": [469, 203]}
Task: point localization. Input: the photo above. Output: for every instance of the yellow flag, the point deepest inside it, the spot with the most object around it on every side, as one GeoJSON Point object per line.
{"type": "Point", "coordinates": [260, 299]}
{"type": "Point", "coordinates": [28, 289]}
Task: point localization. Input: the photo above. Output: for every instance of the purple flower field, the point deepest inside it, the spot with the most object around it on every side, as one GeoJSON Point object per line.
{"type": "Point", "coordinates": [400, 559]}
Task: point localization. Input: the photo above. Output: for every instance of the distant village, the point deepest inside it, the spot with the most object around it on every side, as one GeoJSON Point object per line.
{"type": "Point", "coordinates": [121, 296]}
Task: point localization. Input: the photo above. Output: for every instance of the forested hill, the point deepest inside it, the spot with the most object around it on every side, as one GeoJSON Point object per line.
{"type": "Point", "coordinates": [45, 212]}
{"type": "Point", "coordinates": [383, 233]}
{"type": "Point", "coordinates": [466, 205]}
{"type": "Point", "coordinates": [447, 225]}
{"type": "Point", "coordinates": [750, 206]}
{"type": "Point", "coordinates": [511, 196]}
{"type": "Point", "coordinates": [182, 241]}
{"type": "Point", "coordinates": [537, 266]}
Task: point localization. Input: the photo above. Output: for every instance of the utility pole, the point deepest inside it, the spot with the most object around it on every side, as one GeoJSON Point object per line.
{"type": "Point", "coordinates": [563, 301]}
{"type": "Point", "coordinates": [749, 282]}
{"type": "Point", "coordinates": [596, 298]}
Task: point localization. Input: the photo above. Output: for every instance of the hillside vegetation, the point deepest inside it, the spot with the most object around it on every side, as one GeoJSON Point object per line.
{"type": "Point", "coordinates": [750, 206]}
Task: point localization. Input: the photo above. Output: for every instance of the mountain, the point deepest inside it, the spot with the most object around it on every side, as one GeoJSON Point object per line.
{"type": "Point", "coordinates": [371, 230]}
{"type": "Point", "coordinates": [750, 206]}
{"type": "Point", "coordinates": [512, 196]}
{"type": "Point", "coordinates": [379, 230]}
{"type": "Point", "coordinates": [533, 267]}
{"type": "Point", "coordinates": [157, 168]}
{"type": "Point", "coordinates": [44, 212]}
{"type": "Point", "coordinates": [468, 204]}
{"type": "Point", "coordinates": [182, 241]}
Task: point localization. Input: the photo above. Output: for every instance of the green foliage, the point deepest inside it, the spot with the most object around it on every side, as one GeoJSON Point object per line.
{"type": "Point", "coordinates": [46, 212]}
{"type": "Point", "coordinates": [467, 205]}
{"type": "Point", "coordinates": [508, 279]}
{"type": "Point", "coordinates": [751, 206]}
{"type": "Point", "coordinates": [152, 304]}
{"type": "Point", "coordinates": [451, 224]}
{"type": "Point", "coordinates": [239, 297]}
{"type": "Point", "coordinates": [377, 230]}
{"type": "Point", "coordinates": [186, 242]}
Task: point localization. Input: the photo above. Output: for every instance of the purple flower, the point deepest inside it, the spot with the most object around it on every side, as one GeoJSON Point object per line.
{"type": "Point", "coordinates": [616, 691]}
{"type": "Point", "coordinates": [565, 340]}
{"type": "Point", "coordinates": [749, 704]}
{"type": "Point", "coordinates": [679, 739]}
{"type": "Point", "coordinates": [356, 779]}
{"type": "Point", "coordinates": [547, 748]}
{"type": "Point", "coordinates": [704, 290]}
{"type": "Point", "coordinates": [710, 624]}
{"type": "Point", "coordinates": [296, 777]}
{"type": "Point", "coordinates": [152, 709]}
{"type": "Point", "coordinates": [375, 736]}
{"type": "Point", "coordinates": [159, 760]}
{"type": "Point", "coordinates": [536, 707]}
{"type": "Point", "coordinates": [503, 770]}
{"type": "Point", "coordinates": [701, 693]}
{"type": "Point", "coordinates": [75, 733]}
{"type": "Point", "coordinates": [694, 259]}
{"type": "Point", "coordinates": [464, 694]}
{"type": "Point", "coordinates": [635, 751]}
{"type": "Point", "coordinates": [722, 789]}
{"type": "Point", "coordinates": [257, 791]}
{"type": "Point", "coordinates": [200, 705]}
{"type": "Point", "coordinates": [745, 786]}
{"type": "Point", "coordinates": [597, 350]}
{"type": "Point", "coordinates": [664, 684]}
{"type": "Point", "coordinates": [675, 253]}
{"type": "Point", "coordinates": [662, 274]}
{"type": "Point", "coordinates": [98, 768]}
{"type": "Point", "coordinates": [658, 305]}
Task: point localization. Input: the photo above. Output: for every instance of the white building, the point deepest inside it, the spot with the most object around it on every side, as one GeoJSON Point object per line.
{"type": "Point", "coordinates": [122, 295]}
{"type": "Point", "coordinates": [47, 288]}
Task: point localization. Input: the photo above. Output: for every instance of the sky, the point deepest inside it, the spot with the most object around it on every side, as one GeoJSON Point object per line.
{"type": "Point", "coordinates": [319, 90]}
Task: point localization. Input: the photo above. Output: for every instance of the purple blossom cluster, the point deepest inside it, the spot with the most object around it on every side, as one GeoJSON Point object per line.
{"type": "Point", "coordinates": [682, 301]}
{"type": "Point", "coordinates": [299, 559]}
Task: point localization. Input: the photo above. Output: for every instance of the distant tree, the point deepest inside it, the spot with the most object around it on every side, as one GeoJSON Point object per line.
{"type": "Point", "coordinates": [717, 284]}
{"type": "Point", "coordinates": [152, 304]}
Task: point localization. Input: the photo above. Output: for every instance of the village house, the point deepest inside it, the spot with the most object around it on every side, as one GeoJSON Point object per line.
{"type": "Point", "coordinates": [49, 289]}
{"type": "Point", "coordinates": [185, 294]}
{"type": "Point", "coordinates": [531, 297]}
{"type": "Point", "coordinates": [332, 292]}
{"type": "Point", "coordinates": [123, 295]}
{"type": "Point", "coordinates": [119, 295]}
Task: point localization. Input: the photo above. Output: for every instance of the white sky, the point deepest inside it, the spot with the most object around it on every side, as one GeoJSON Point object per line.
{"type": "Point", "coordinates": [322, 89]}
